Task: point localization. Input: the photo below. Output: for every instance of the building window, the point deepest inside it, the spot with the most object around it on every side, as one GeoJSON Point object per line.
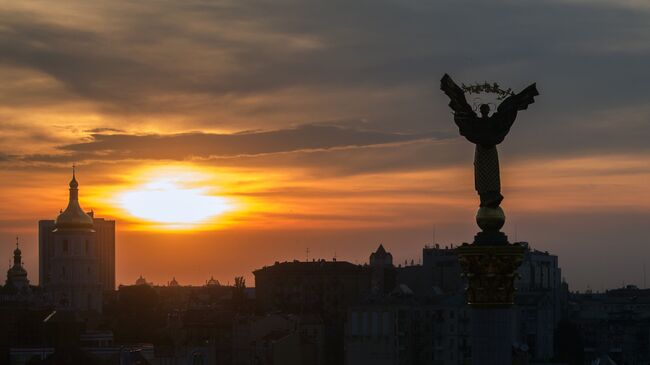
{"type": "Point", "coordinates": [386, 321]}
{"type": "Point", "coordinates": [65, 246]}
{"type": "Point", "coordinates": [87, 247]}
{"type": "Point", "coordinates": [88, 270]}
{"type": "Point", "coordinates": [364, 324]}
{"type": "Point", "coordinates": [354, 324]}
{"type": "Point", "coordinates": [197, 358]}
{"type": "Point", "coordinates": [64, 301]}
{"type": "Point", "coordinates": [63, 271]}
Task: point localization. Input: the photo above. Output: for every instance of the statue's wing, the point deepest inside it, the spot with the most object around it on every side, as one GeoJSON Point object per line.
{"type": "Point", "coordinates": [458, 102]}
{"type": "Point", "coordinates": [507, 110]}
{"type": "Point", "coordinates": [519, 101]}
{"type": "Point", "coordinates": [464, 116]}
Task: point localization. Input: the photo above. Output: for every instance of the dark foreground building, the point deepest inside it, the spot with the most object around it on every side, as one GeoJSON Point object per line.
{"type": "Point", "coordinates": [615, 324]}
{"type": "Point", "coordinates": [105, 249]}
{"type": "Point", "coordinates": [317, 312]}
{"type": "Point", "coordinates": [323, 288]}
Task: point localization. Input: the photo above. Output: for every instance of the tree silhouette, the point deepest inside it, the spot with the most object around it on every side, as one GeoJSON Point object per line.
{"type": "Point", "coordinates": [239, 294]}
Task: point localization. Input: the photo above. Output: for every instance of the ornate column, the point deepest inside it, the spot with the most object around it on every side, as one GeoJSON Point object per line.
{"type": "Point", "coordinates": [490, 262]}
{"type": "Point", "coordinates": [490, 268]}
{"type": "Point", "coordinates": [491, 271]}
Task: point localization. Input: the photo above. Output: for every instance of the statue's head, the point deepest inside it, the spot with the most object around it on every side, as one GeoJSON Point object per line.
{"type": "Point", "coordinates": [485, 110]}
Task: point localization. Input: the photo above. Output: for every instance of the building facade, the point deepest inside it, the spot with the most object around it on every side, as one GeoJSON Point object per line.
{"type": "Point", "coordinates": [442, 266]}
{"type": "Point", "coordinates": [614, 324]}
{"type": "Point", "coordinates": [324, 287]}
{"type": "Point", "coordinates": [539, 301]}
{"type": "Point", "coordinates": [403, 329]}
{"type": "Point", "coordinates": [541, 297]}
{"type": "Point", "coordinates": [72, 276]}
{"type": "Point", "coordinates": [105, 250]}
{"type": "Point", "coordinates": [104, 237]}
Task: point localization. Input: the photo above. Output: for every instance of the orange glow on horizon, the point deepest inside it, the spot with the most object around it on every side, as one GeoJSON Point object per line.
{"type": "Point", "coordinates": [180, 197]}
{"type": "Point", "coordinates": [262, 197]}
{"type": "Point", "coordinates": [275, 211]}
{"type": "Point", "coordinates": [165, 202]}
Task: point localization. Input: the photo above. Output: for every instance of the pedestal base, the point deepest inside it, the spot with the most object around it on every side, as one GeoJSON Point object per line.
{"type": "Point", "coordinates": [493, 332]}
{"type": "Point", "coordinates": [490, 266]}
{"type": "Point", "coordinates": [490, 238]}
{"type": "Point", "coordinates": [491, 220]}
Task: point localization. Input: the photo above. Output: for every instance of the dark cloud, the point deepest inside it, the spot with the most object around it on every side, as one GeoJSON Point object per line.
{"type": "Point", "coordinates": [330, 149]}
{"type": "Point", "coordinates": [191, 58]}
{"type": "Point", "coordinates": [104, 130]}
{"type": "Point", "coordinates": [83, 62]}
{"type": "Point", "coordinates": [183, 146]}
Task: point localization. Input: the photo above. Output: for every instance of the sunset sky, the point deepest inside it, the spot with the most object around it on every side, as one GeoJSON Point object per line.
{"type": "Point", "coordinates": [321, 125]}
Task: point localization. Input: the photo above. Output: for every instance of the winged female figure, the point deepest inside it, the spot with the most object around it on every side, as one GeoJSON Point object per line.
{"type": "Point", "coordinates": [486, 132]}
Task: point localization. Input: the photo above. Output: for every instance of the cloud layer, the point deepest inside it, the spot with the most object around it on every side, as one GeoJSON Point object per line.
{"type": "Point", "coordinates": [184, 146]}
{"type": "Point", "coordinates": [229, 67]}
{"type": "Point", "coordinates": [329, 111]}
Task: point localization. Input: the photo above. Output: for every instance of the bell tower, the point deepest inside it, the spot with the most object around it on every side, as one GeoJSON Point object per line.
{"type": "Point", "coordinates": [74, 274]}
{"type": "Point", "coordinates": [17, 275]}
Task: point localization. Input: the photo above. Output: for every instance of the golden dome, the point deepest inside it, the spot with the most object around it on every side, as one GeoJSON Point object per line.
{"type": "Point", "coordinates": [73, 217]}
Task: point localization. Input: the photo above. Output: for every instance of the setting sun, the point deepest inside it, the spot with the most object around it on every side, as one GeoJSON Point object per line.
{"type": "Point", "coordinates": [168, 200]}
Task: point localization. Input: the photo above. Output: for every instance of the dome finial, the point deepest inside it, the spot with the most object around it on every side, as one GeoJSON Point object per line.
{"type": "Point", "coordinates": [73, 217]}
{"type": "Point", "coordinates": [73, 183]}
{"type": "Point", "coordinates": [17, 252]}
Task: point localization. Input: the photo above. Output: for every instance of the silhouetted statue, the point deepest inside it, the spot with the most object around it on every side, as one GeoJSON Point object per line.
{"type": "Point", "coordinates": [490, 263]}
{"type": "Point", "coordinates": [486, 132]}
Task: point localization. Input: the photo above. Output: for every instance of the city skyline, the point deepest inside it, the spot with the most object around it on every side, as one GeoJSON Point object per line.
{"type": "Point", "coordinates": [164, 279]}
{"type": "Point", "coordinates": [316, 129]}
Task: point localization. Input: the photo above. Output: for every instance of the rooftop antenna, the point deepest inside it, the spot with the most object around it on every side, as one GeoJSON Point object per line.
{"type": "Point", "coordinates": [516, 232]}
{"type": "Point", "coordinates": [433, 238]}
{"type": "Point", "coordinates": [307, 254]}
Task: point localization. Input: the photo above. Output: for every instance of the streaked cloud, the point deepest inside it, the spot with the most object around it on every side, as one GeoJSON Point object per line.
{"type": "Point", "coordinates": [186, 146]}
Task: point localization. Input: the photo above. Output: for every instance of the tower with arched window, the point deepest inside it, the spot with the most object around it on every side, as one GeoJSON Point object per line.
{"type": "Point", "coordinates": [74, 279]}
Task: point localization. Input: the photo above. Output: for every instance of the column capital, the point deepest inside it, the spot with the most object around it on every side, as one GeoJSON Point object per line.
{"type": "Point", "coordinates": [490, 271]}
